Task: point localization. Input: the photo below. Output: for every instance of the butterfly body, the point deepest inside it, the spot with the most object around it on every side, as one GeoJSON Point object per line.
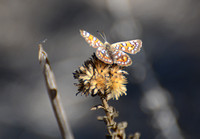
{"type": "Point", "coordinates": [113, 53]}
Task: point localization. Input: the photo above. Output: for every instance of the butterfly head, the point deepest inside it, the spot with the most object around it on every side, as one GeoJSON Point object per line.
{"type": "Point", "coordinates": [107, 45]}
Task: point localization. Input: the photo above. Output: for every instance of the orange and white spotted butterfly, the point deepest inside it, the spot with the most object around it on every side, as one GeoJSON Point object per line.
{"type": "Point", "coordinates": [113, 53]}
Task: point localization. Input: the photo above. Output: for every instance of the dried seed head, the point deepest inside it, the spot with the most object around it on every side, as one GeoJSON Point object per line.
{"type": "Point", "coordinates": [98, 78]}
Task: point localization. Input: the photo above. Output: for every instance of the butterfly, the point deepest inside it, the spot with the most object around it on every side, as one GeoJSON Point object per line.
{"type": "Point", "coordinates": [113, 53]}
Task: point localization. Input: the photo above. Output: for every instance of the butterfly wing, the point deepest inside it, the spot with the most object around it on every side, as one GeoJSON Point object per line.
{"type": "Point", "coordinates": [121, 58]}
{"type": "Point", "coordinates": [92, 40]}
{"type": "Point", "coordinates": [132, 46]}
{"type": "Point", "coordinates": [103, 55]}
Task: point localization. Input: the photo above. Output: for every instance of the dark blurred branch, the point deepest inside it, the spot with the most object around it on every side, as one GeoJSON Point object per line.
{"type": "Point", "coordinates": [54, 95]}
{"type": "Point", "coordinates": [157, 101]}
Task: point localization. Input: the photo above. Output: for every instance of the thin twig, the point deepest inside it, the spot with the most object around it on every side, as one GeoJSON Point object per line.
{"type": "Point", "coordinates": [54, 95]}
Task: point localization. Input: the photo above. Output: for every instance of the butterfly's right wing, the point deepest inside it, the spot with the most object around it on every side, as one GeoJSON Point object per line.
{"type": "Point", "coordinates": [103, 55]}
{"type": "Point", "coordinates": [132, 46]}
{"type": "Point", "coordinates": [92, 40]}
{"type": "Point", "coordinates": [121, 58]}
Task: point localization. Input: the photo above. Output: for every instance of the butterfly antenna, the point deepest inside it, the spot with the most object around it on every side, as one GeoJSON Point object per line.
{"type": "Point", "coordinates": [102, 35]}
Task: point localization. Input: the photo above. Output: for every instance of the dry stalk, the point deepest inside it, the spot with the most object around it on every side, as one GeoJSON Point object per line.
{"type": "Point", "coordinates": [54, 95]}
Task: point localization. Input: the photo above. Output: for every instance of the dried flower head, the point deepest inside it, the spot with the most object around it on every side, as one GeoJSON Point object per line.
{"type": "Point", "coordinates": [98, 78]}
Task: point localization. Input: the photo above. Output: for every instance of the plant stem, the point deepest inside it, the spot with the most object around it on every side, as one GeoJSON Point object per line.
{"type": "Point", "coordinates": [54, 95]}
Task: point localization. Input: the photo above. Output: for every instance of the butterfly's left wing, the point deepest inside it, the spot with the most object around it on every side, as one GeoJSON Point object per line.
{"type": "Point", "coordinates": [132, 46]}
{"type": "Point", "coordinates": [92, 40]}
{"type": "Point", "coordinates": [121, 58]}
{"type": "Point", "coordinates": [103, 55]}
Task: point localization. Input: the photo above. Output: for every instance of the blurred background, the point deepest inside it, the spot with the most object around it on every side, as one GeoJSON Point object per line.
{"type": "Point", "coordinates": [163, 94]}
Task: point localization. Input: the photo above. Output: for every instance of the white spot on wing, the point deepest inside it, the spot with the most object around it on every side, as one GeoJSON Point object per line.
{"type": "Point", "coordinates": [87, 34]}
{"type": "Point", "coordinates": [117, 47]}
{"type": "Point", "coordinates": [131, 42]}
{"type": "Point", "coordinates": [103, 51]}
{"type": "Point", "coordinates": [124, 44]}
{"type": "Point", "coordinates": [83, 33]}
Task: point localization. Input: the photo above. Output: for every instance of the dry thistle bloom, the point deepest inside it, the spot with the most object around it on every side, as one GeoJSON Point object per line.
{"type": "Point", "coordinates": [97, 78]}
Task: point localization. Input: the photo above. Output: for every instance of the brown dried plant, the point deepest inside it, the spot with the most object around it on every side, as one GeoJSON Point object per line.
{"type": "Point", "coordinates": [106, 81]}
